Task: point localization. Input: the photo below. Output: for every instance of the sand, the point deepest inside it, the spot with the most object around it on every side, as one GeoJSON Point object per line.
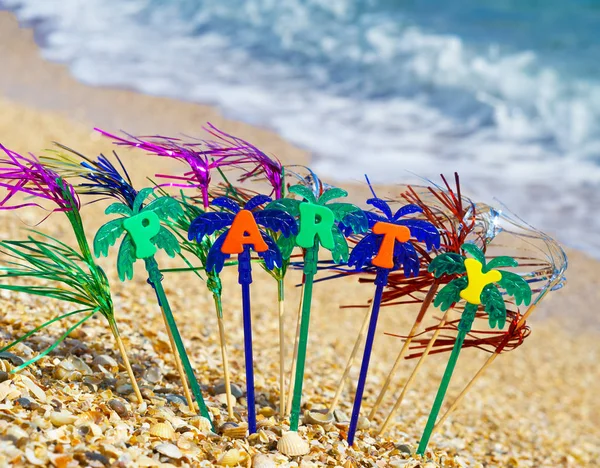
{"type": "Point", "coordinates": [537, 406]}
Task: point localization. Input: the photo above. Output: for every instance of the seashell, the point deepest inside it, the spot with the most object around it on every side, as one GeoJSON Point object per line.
{"type": "Point", "coordinates": [16, 432]}
{"type": "Point", "coordinates": [292, 445]}
{"type": "Point", "coordinates": [261, 460]}
{"type": "Point", "coordinates": [265, 423]}
{"type": "Point", "coordinates": [33, 388]}
{"type": "Point", "coordinates": [222, 399]}
{"type": "Point", "coordinates": [33, 458]}
{"type": "Point", "coordinates": [73, 363]}
{"type": "Point", "coordinates": [200, 422]}
{"type": "Point", "coordinates": [349, 463]}
{"type": "Point", "coordinates": [105, 361]}
{"type": "Point", "coordinates": [363, 423]}
{"type": "Point", "coordinates": [91, 416]}
{"type": "Point", "coordinates": [232, 457]}
{"type": "Point", "coordinates": [315, 417]}
{"type": "Point", "coordinates": [170, 450]}
{"type": "Point", "coordinates": [60, 418]}
{"type": "Point", "coordinates": [187, 446]}
{"type": "Point", "coordinates": [340, 416]}
{"type": "Point", "coordinates": [164, 430]}
{"type": "Point", "coordinates": [233, 430]}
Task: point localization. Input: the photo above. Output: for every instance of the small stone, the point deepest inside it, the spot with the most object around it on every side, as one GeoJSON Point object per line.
{"type": "Point", "coordinates": [3, 376]}
{"type": "Point", "coordinates": [363, 423]}
{"type": "Point", "coordinates": [105, 361]}
{"type": "Point", "coordinates": [95, 456]}
{"type": "Point", "coordinates": [266, 411]}
{"type": "Point", "coordinates": [176, 399]}
{"type": "Point", "coordinates": [124, 389]}
{"type": "Point", "coordinates": [405, 448]}
{"type": "Point", "coordinates": [118, 407]}
{"type": "Point", "coordinates": [12, 358]}
{"type": "Point", "coordinates": [235, 390]}
{"type": "Point", "coordinates": [27, 403]}
{"type": "Point", "coordinates": [153, 375]}
{"type": "Point", "coordinates": [170, 450]}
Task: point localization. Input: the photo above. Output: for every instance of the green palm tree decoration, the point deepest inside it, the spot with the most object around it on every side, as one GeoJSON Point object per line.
{"type": "Point", "coordinates": [73, 274]}
{"type": "Point", "coordinates": [73, 279]}
{"type": "Point", "coordinates": [477, 282]}
{"type": "Point", "coordinates": [144, 233]}
{"type": "Point", "coordinates": [313, 212]}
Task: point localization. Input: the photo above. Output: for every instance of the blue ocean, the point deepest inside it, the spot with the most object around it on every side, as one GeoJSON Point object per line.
{"type": "Point", "coordinates": [506, 92]}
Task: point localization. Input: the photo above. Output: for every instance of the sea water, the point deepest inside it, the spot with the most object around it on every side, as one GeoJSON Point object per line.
{"type": "Point", "coordinates": [506, 92]}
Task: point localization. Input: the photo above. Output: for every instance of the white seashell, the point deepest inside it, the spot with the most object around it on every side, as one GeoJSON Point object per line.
{"type": "Point", "coordinates": [73, 363]}
{"type": "Point", "coordinates": [200, 422]}
{"type": "Point", "coordinates": [261, 460]}
{"type": "Point", "coordinates": [170, 450]}
{"type": "Point", "coordinates": [33, 388]}
{"type": "Point", "coordinates": [60, 418]}
{"type": "Point", "coordinates": [314, 417]}
{"type": "Point", "coordinates": [292, 445]}
{"type": "Point", "coordinates": [32, 458]}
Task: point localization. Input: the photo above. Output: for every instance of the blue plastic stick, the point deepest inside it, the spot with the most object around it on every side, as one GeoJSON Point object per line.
{"type": "Point", "coordinates": [245, 279]}
{"type": "Point", "coordinates": [381, 281]}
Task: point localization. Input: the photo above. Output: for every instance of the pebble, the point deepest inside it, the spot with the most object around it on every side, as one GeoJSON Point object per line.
{"type": "Point", "coordinates": [153, 375]}
{"type": "Point", "coordinates": [12, 358]}
{"type": "Point", "coordinates": [27, 403]}
{"type": "Point", "coordinates": [236, 391]}
{"type": "Point", "coordinates": [118, 407]}
{"type": "Point", "coordinates": [170, 450]}
{"type": "Point", "coordinates": [405, 448]}
{"type": "Point", "coordinates": [124, 389]}
{"type": "Point", "coordinates": [176, 399]}
{"type": "Point", "coordinates": [95, 456]}
{"type": "Point", "coordinates": [4, 376]}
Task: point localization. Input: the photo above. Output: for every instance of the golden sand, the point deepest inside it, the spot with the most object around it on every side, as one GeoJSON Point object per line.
{"type": "Point", "coordinates": [536, 407]}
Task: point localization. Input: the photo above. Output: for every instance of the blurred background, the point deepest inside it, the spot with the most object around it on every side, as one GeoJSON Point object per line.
{"type": "Point", "coordinates": [505, 92]}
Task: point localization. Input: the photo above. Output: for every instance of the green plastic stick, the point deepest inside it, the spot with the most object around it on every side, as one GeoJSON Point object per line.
{"type": "Point", "coordinates": [464, 327]}
{"type": "Point", "coordinates": [310, 268]}
{"type": "Point", "coordinates": [155, 279]}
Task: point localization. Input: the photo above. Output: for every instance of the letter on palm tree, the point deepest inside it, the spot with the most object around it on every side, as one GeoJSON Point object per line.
{"type": "Point", "coordinates": [241, 234]}
{"type": "Point", "coordinates": [144, 234]}
{"type": "Point", "coordinates": [388, 248]}
{"type": "Point", "coordinates": [319, 225]}
{"type": "Point", "coordinates": [477, 284]}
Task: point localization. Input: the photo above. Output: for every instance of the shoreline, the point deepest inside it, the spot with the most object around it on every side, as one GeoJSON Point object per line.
{"type": "Point", "coordinates": [544, 417]}
{"type": "Point", "coordinates": [68, 110]}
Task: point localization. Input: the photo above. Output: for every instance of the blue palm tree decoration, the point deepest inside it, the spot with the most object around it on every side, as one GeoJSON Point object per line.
{"type": "Point", "coordinates": [387, 247]}
{"type": "Point", "coordinates": [241, 233]}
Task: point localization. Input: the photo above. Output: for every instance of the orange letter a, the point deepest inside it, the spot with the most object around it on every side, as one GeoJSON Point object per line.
{"type": "Point", "coordinates": [243, 231]}
{"type": "Point", "coordinates": [391, 234]}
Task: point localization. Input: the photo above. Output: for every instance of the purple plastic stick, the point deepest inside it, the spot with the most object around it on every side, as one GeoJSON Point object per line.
{"type": "Point", "coordinates": [380, 281]}
{"type": "Point", "coordinates": [245, 279]}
